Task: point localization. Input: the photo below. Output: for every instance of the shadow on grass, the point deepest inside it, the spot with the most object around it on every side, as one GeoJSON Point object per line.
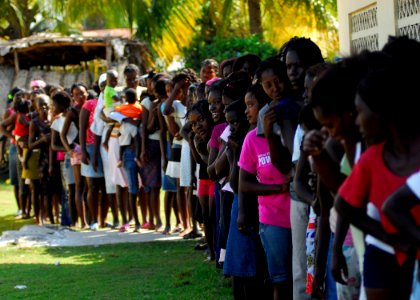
{"type": "Point", "coordinates": [155, 270]}
{"type": "Point", "coordinates": [9, 222]}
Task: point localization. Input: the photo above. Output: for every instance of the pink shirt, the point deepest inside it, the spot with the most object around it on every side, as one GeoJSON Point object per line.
{"type": "Point", "coordinates": [255, 159]}
{"type": "Point", "coordinates": [90, 106]}
{"type": "Point", "coordinates": [215, 134]}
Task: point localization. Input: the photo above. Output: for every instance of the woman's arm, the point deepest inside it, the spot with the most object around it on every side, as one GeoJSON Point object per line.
{"type": "Point", "coordinates": [301, 180]}
{"type": "Point", "coordinates": [83, 124]}
{"type": "Point", "coordinates": [163, 140]}
{"type": "Point", "coordinates": [221, 164]}
{"type": "Point", "coordinates": [211, 168]}
{"type": "Point", "coordinates": [10, 120]}
{"type": "Point", "coordinates": [63, 134]}
{"type": "Point", "coordinates": [56, 144]}
{"type": "Point", "coordinates": [359, 218]}
{"type": "Point", "coordinates": [338, 262]}
{"type": "Point", "coordinates": [31, 139]}
{"type": "Point", "coordinates": [323, 236]}
{"type": "Point", "coordinates": [397, 208]}
{"type": "Point", "coordinates": [248, 184]}
{"type": "Point", "coordinates": [144, 135]}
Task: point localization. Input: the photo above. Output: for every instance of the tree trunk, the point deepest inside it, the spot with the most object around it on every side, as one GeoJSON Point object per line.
{"type": "Point", "coordinates": [255, 25]}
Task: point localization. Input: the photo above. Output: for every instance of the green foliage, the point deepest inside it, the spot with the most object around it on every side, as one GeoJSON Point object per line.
{"type": "Point", "coordinates": [224, 48]}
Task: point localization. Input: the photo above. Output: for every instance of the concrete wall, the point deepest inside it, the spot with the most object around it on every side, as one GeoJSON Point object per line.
{"type": "Point", "coordinates": [367, 24]}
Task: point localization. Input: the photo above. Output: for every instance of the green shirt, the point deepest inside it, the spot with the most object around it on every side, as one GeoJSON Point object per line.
{"type": "Point", "coordinates": [109, 93]}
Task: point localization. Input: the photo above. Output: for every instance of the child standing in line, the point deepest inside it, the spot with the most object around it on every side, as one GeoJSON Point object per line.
{"type": "Point", "coordinates": [202, 125]}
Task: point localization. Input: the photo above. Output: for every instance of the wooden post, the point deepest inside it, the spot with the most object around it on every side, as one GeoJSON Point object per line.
{"type": "Point", "coordinates": [108, 54]}
{"type": "Point", "coordinates": [16, 57]}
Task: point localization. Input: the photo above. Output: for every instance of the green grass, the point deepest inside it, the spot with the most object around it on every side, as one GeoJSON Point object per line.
{"type": "Point", "coordinates": [8, 209]}
{"type": "Point", "coordinates": [157, 270]}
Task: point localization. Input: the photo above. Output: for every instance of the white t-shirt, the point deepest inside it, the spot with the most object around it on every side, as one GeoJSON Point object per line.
{"type": "Point", "coordinates": [297, 141]}
{"type": "Point", "coordinates": [147, 104]}
{"type": "Point", "coordinates": [413, 182]}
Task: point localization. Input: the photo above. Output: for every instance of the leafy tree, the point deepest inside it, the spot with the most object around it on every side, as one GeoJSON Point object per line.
{"type": "Point", "coordinates": [224, 48]}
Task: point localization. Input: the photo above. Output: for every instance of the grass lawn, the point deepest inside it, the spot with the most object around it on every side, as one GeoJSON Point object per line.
{"type": "Point", "coordinates": [158, 270]}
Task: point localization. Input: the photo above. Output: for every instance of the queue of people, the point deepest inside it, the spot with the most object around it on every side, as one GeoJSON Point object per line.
{"type": "Point", "coordinates": [303, 174]}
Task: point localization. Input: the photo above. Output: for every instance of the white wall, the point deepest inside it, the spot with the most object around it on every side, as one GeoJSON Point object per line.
{"type": "Point", "coordinates": [375, 22]}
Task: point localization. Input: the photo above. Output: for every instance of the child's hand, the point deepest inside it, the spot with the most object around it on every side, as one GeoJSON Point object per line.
{"type": "Point", "coordinates": [105, 145]}
{"type": "Point", "coordinates": [178, 136]}
{"type": "Point", "coordinates": [85, 157]}
{"type": "Point", "coordinates": [25, 164]}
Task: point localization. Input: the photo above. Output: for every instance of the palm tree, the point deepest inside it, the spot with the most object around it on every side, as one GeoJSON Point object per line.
{"type": "Point", "coordinates": [16, 18]}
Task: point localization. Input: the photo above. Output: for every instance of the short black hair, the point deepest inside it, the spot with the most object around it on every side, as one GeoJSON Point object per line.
{"type": "Point", "coordinates": [62, 99]}
{"type": "Point", "coordinates": [130, 95]}
{"type": "Point", "coordinates": [252, 59]}
{"type": "Point", "coordinates": [238, 107]}
{"type": "Point", "coordinates": [130, 68]}
{"type": "Point", "coordinates": [20, 105]}
{"type": "Point", "coordinates": [258, 92]}
{"type": "Point", "coordinates": [236, 89]}
{"type": "Point", "coordinates": [210, 62]}
{"type": "Point", "coordinates": [202, 107]}
{"type": "Point", "coordinates": [160, 87]}
{"type": "Point", "coordinates": [308, 52]}
{"type": "Point", "coordinates": [78, 85]}
{"type": "Point", "coordinates": [276, 65]}
{"type": "Point", "coordinates": [334, 91]}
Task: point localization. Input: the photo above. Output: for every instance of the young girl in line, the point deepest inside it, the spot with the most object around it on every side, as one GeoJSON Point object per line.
{"type": "Point", "coordinates": [38, 147]}
{"type": "Point", "coordinates": [79, 94]}
{"type": "Point", "coordinates": [259, 175]}
{"type": "Point", "coordinates": [21, 136]}
{"type": "Point", "coordinates": [168, 183]}
{"type": "Point", "coordinates": [60, 104]}
{"type": "Point", "coordinates": [202, 124]}
{"type": "Point", "coordinates": [244, 251]}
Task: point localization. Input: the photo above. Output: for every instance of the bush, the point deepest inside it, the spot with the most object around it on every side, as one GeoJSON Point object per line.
{"type": "Point", "coordinates": [224, 48]}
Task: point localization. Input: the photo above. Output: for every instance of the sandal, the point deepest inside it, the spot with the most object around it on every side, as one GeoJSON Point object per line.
{"type": "Point", "coordinates": [124, 228]}
{"type": "Point", "coordinates": [148, 226]}
{"type": "Point", "coordinates": [167, 230]}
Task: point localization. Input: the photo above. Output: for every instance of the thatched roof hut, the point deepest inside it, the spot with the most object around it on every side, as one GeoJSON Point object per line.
{"type": "Point", "coordinates": [47, 55]}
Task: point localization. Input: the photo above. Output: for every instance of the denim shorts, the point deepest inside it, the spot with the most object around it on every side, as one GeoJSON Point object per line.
{"type": "Point", "coordinates": [277, 244]}
{"type": "Point", "coordinates": [168, 183]}
{"type": "Point", "coordinates": [67, 171]}
{"type": "Point", "coordinates": [381, 270]}
{"type": "Point", "coordinates": [131, 169]}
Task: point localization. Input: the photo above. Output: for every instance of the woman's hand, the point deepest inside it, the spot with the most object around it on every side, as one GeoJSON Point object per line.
{"type": "Point", "coordinates": [313, 143]}
{"type": "Point", "coordinates": [85, 157]}
{"type": "Point", "coordinates": [339, 267]}
{"type": "Point", "coordinates": [269, 119]}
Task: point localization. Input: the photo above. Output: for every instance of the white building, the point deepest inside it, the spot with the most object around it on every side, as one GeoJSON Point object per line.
{"type": "Point", "coordinates": [367, 24]}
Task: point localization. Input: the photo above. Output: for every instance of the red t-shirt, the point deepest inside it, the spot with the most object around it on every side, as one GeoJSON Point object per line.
{"type": "Point", "coordinates": [21, 129]}
{"type": "Point", "coordinates": [90, 106]}
{"type": "Point", "coordinates": [372, 181]}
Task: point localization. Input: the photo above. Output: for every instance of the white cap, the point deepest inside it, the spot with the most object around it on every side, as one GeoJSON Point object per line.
{"type": "Point", "coordinates": [102, 78]}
